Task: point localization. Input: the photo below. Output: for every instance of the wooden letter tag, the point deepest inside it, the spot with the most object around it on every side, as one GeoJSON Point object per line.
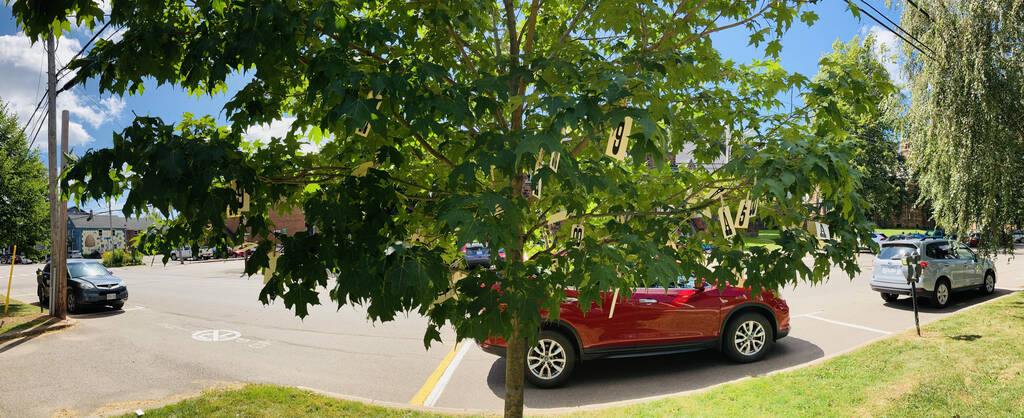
{"type": "Point", "coordinates": [618, 141]}
{"type": "Point", "coordinates": [725, 218]}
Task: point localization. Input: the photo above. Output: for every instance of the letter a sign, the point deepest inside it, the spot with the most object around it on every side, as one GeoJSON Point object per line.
{"type": "Point", "coordinates": [365, 130]}
{"type": "Point", "coordinates": [618, 141]}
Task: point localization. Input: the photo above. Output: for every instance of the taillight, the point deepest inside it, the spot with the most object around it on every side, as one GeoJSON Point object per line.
{"type": "Point", "coordinates": [883, 238]}
{"type": "Point", "coordinates": [924, 265]}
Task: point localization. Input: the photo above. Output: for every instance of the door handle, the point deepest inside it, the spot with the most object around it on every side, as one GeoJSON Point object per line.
{"type": "Point", "coordinates": [648, 301]}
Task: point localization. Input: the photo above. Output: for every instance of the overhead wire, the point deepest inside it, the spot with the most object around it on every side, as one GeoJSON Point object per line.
{"type": "Point", "coordinates": [886, 27]}
{"type": "Point", "coordinates": [898, 26]}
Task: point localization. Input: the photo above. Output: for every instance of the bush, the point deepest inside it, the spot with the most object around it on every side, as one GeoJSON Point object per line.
{"type": "Point", "coordinates": [118, 258]}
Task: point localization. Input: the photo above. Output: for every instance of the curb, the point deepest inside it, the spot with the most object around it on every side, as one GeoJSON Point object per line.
{"type": "Point", "coordinates": [65, 324]}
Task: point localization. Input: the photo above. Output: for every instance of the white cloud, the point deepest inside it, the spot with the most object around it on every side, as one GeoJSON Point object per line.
{"type": "Point", "coordinates": [887, 50]}
{"type": "Point", "coordinates": [24, 84]}
{"type": "Point", "coordinates": [277, 129]}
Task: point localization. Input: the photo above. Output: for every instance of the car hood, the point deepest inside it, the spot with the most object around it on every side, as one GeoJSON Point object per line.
{"type": "Point", "coordinates": [99, 280]}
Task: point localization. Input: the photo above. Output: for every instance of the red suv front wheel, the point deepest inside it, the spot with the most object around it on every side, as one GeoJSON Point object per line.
{"type": "Point", "coordinates": [748, 338]}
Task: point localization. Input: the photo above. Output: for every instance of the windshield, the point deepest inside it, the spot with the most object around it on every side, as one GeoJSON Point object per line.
{"type": "Point", "coordinates": [896, 252]}
{"type": "Point", "coordinates": [87, 269]}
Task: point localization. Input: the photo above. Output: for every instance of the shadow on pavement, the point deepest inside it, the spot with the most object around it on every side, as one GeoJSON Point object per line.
{"type": "Point", "coordinates": [601, 381]}
{"type": "Point", "coordinates": [959, 301]}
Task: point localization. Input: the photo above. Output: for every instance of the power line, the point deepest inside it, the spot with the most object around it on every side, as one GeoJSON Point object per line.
{"type": "Point", "coordinates": [898, 26]}
{"type": "Point", "coordinates": [891, 30]}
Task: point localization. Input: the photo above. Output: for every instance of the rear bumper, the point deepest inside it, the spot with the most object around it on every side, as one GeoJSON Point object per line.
{"type": "Point", "coordinates": [899, 290]}
{"type": "Point", "coordinates": [497, 350]}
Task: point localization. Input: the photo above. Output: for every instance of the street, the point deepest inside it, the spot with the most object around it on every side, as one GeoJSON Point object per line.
{"type": "Point", "coordinates": [200, 325]}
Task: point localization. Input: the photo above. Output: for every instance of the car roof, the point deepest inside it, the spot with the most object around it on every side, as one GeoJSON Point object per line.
{"type": "Point", "coordinates": [917, 240]}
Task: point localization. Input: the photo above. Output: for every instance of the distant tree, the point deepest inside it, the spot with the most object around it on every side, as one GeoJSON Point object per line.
{"type": "Point", "coordinates": [415, 126]}
{"type": "Point", "coordinates": [24, 207]}
{"type": "Point", "coordinates": [965, 125]}
{"type": "Point", "coordinates": [876, 149]}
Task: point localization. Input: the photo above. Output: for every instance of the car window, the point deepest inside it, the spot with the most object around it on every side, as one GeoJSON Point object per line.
{"type": "Point", "coordinates": [680, 283]}
{"type": "Point", "coordinates": [964, 253]}
{"type": "Point", "coordinates": [87, 269]}
{"type": "Point", "coordinates": [939, 250]}
{"type": "Point", "coordinates": [896, 251]}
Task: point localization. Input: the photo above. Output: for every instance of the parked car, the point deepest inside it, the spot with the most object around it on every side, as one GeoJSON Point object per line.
{"type": "Point", "coordinates": [476, 255]}
{"type": "Point", "coordinates": [206, 253]}
{"type": "Point", "coordinates": [1018, 236]}
{"type": "Point", "coordinates": [182, 253]}
{"type": "Point", "coordinates": [89, 283]}
{"type": "Point", "coordinates": [946, 267]}
{"type": "Point", "coordinates": [75, 254]}
{"type": "Point", "coordinates": [654, 321]}
{"type": "Point", "coordinates": [974, 239]}
{"type": "Point", "coordinates": [877, 237]}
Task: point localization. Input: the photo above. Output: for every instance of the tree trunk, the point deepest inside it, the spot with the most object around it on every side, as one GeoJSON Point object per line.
{"type": "Point", "coordinates": [515, 367]}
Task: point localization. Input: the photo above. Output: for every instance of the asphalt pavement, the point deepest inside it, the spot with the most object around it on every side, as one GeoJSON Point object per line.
{"type": "Point", "coordinates": [200, 325]}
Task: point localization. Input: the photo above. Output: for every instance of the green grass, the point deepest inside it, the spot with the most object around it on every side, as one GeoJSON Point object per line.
{"type": "Point", "coordinates": [21, 316]}
{"type": "Point", "coordinates": [894, 231]}
{"type": "Point", "coordinates": [765, 238]}
{"type": "Point", "coordinates": [968, 364]}
{"type": "Point", "coordinates": [273, 401]}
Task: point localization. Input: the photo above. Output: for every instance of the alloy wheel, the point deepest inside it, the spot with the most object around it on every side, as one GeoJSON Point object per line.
{"type": "Point", "coordinates": [942, 294]}
{"type": "Point", "coordinates": [990, 284]}
{"type": "Point", "coordinates": [750, 337]}
{"type": "Point", "coordinates": [547, 359]}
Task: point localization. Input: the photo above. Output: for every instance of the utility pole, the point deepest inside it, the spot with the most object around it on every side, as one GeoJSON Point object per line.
{"type": "Point", "coordinates": [58, 271]}
{"type": "Point", "coordinates": [62, 285]}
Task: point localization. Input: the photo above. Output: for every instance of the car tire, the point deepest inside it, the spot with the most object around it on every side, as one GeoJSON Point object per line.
{"type": "Point", "coordinates": [550, 362]}
{"type": "Point", "coordinates": [174, 257]}
{"type": "Point", "coordinates": [942, 294]}
{"type": "Point", "coordinates": [72, 302]}
{"type": "Point", "coordinates": [890, 297]}
{"type": "Point", "coordinates": [748, 338]}
{"type": "Point", "coordinates": [117, 305]}
{"type": "Point", "coordinates": [989, 286]}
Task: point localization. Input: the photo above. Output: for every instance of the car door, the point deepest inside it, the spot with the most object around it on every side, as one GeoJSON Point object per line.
{"type": "Point", "coordinates": [611, 321]}
{"type": "Point", "coordinates": [970, 274]}
{"type": "Point", "coordinates": [675, 315]}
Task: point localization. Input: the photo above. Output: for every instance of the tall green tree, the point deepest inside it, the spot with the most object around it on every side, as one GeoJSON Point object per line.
{"type": "Point", "coordinates": [24, 211]}
{"type": "Point", "coordinates": [416, 125]}
{"type": "Point", "coordinates": [964, 124]}
{"type": "Point", "coordinates": [876, 151]}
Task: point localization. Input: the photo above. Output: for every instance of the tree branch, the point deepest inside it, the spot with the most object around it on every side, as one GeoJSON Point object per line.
{"type": "Point", "coordinates": [721, 28]}
{"type": "Point", "coordinates": [575, 20]}
{"type": "Point", "coordinates": [424, 142]}
{"type": "Point", "coordinates": [669, 32]}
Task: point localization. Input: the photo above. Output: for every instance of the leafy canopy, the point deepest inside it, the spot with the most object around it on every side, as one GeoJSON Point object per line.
{"type": "Point", "coordinates": [964, 123]}
{"type": "Point", "coordinates": [24, 211]}
{"type": "Point", "coordinates": [472, 95]}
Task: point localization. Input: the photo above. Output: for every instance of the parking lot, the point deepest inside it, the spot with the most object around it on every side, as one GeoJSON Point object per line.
{"type": "Point", "coordinates": [198, 325]}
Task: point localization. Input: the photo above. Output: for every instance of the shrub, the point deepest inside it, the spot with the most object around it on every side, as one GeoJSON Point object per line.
{"type": "Point", "coordinates": [118, 258]}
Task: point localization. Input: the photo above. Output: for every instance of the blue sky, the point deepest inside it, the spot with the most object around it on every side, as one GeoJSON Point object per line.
{"type": "Point", "coordinates": [94, 116]}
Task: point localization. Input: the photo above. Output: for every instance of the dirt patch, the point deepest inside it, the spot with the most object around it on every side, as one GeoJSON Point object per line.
{"type": "Point", "coordinates": [891, 393]}
{"type": "Point", "coordinates": [117, 408]}
{"type": "Point", "coordinates": [1010, 372]}
{"type": "Point", "coordinates": [21, 323]}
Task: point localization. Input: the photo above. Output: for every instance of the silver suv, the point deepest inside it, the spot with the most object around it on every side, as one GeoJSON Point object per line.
{"type": "Point", "coordinates": [947, 266]}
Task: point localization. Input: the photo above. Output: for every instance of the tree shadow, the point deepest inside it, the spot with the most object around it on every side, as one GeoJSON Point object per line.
{"type": "Point", "coordinates": [965, 337]}
{"type": "Point", "coordinates": [958, 301]}
{"type": "Point", "coordinates": [610, 380]}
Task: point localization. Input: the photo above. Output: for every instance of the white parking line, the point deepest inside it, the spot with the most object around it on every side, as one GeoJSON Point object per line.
{"type": "Point", "coordinates": [436, 393]}
{"type": "Point", "coordinates": [805, 315]}
{"type": "Point", "coordinates": [846, 324]}
{"type": "Point", "coordinates": [134, 308]}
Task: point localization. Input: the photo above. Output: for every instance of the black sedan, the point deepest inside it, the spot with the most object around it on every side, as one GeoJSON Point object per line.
{"type": "Point", "coordinates": [89, 283]}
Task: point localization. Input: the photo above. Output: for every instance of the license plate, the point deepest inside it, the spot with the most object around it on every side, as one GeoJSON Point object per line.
{"type": "Point", "coordinates": [111, 296]}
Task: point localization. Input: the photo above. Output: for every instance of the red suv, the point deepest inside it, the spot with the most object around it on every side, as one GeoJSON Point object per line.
{"type": "Point", "coordinates": [654, 321]}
